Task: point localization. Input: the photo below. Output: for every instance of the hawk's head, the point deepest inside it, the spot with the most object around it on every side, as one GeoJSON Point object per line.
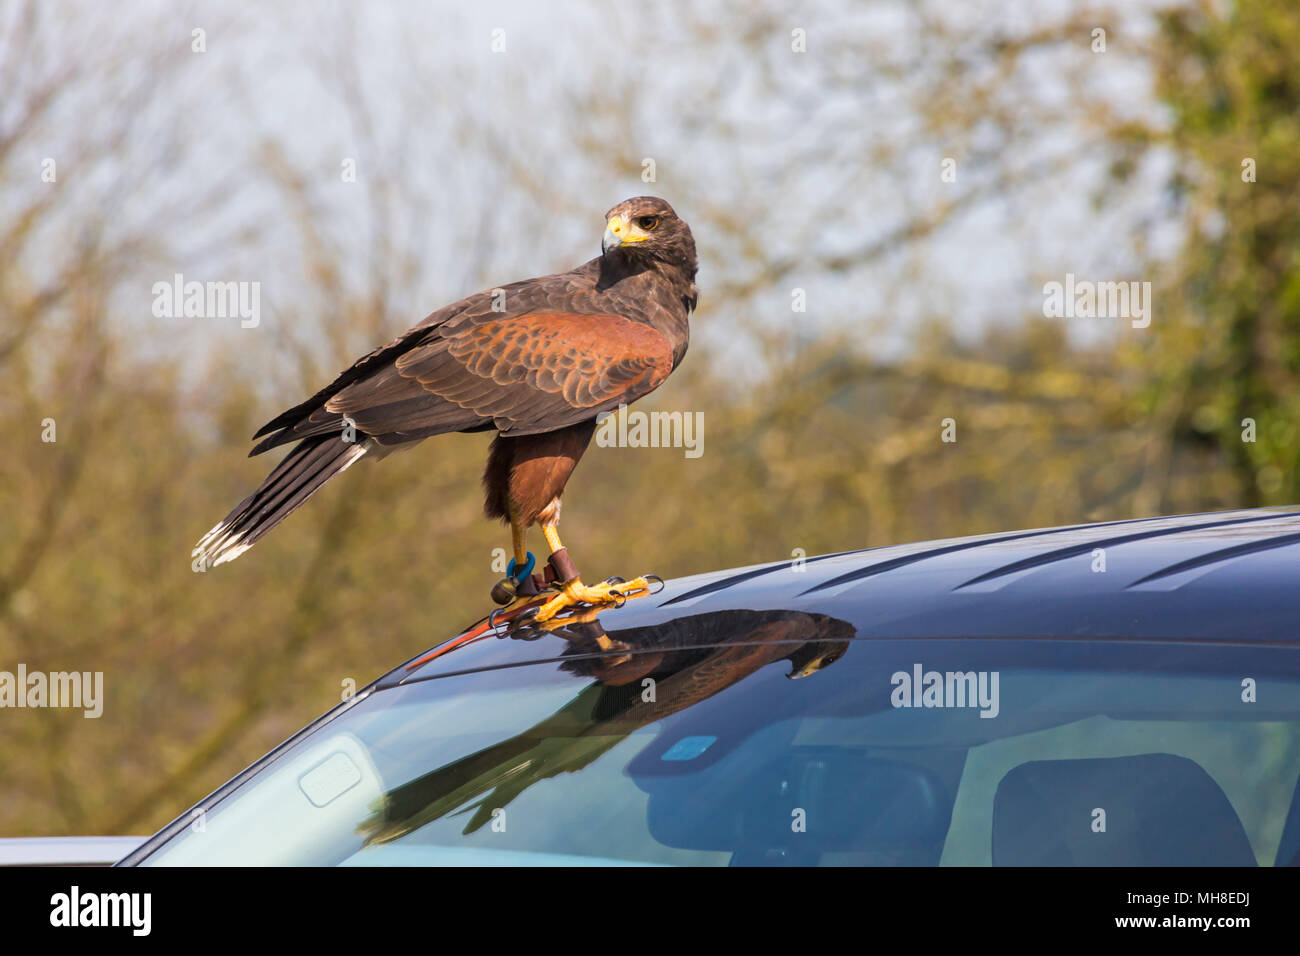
{"type": "Point", "coordinates": [814, 656]}
{"type": "Point", "coordinates": [647, 227]}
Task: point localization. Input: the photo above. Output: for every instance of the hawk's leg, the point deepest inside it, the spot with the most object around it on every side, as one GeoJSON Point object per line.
{"type": "Point", "coordinates": [518, 582]}
{"type": "Point", "coordinates": [573, 593]}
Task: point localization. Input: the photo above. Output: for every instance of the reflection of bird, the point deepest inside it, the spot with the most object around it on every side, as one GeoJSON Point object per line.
{"type": "Point", "coordinates": [536, 360]}
{"type": "Point", "coordinates": [693, 658]}
{"type": "Point", "coordinates": [686, 670]}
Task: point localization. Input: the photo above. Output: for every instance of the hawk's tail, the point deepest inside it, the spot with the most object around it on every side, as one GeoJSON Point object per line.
{"type": "Point", "coordinates": [302, 472]}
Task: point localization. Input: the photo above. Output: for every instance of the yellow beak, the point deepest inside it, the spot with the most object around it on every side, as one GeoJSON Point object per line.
{"type": "Point", "coordinates": [618, 231]}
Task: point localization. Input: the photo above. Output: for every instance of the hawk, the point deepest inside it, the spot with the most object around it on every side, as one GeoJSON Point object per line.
{"type": "Point", "coordinates": [535, 361]}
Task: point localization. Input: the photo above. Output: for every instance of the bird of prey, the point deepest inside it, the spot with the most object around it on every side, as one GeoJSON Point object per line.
{"type": "Point", "coordinates": [536, 361]}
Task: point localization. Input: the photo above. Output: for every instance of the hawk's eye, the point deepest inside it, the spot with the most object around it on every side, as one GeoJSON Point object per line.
{"type": "Point", "coordinates": [647, 223]}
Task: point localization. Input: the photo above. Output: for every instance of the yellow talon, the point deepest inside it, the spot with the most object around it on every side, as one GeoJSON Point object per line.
{"type": "Point", "coordinates": [607, 593]}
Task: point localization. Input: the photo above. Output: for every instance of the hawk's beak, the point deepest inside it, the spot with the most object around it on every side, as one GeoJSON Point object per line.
{"type": "Point", "coordinates": [812, 667]}
{"type": "Point", "coordinates": [615, 234]}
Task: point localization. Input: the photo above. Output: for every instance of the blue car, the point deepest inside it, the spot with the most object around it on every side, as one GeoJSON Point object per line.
{"type": "Point", "coordinates": [1124, 693]}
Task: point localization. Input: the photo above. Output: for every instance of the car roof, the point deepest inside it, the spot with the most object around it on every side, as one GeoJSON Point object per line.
{"type": "Point", "coordinates": [1228, 576]}
{"type": "Point", "coordinates": [1223, 578]}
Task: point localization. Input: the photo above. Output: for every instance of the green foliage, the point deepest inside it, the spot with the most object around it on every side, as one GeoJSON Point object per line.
{"type": "Point", "coordinates": [1231, 348]}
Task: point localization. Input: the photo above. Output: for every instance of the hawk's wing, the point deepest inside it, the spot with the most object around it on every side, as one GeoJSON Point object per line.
{"type": "Point", "coordinates": [522, 374]}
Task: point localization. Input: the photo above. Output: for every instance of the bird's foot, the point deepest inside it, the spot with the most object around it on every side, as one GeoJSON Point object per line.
{"type": "Point", "coordinates": [612, 592]}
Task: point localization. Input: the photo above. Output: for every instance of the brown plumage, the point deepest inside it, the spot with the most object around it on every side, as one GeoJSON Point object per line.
{"type": "Point", "coordinates": [529, 473]}
{"type": "Point", "coordinates": [536, 361]}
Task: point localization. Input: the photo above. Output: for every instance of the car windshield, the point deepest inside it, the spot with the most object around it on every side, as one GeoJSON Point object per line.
{"type": "Point", "coordinates": [776, 737]}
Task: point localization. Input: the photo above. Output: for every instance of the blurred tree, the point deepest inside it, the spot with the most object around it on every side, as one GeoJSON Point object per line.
{"type": "Point", "coordinates": [1228, 350]}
